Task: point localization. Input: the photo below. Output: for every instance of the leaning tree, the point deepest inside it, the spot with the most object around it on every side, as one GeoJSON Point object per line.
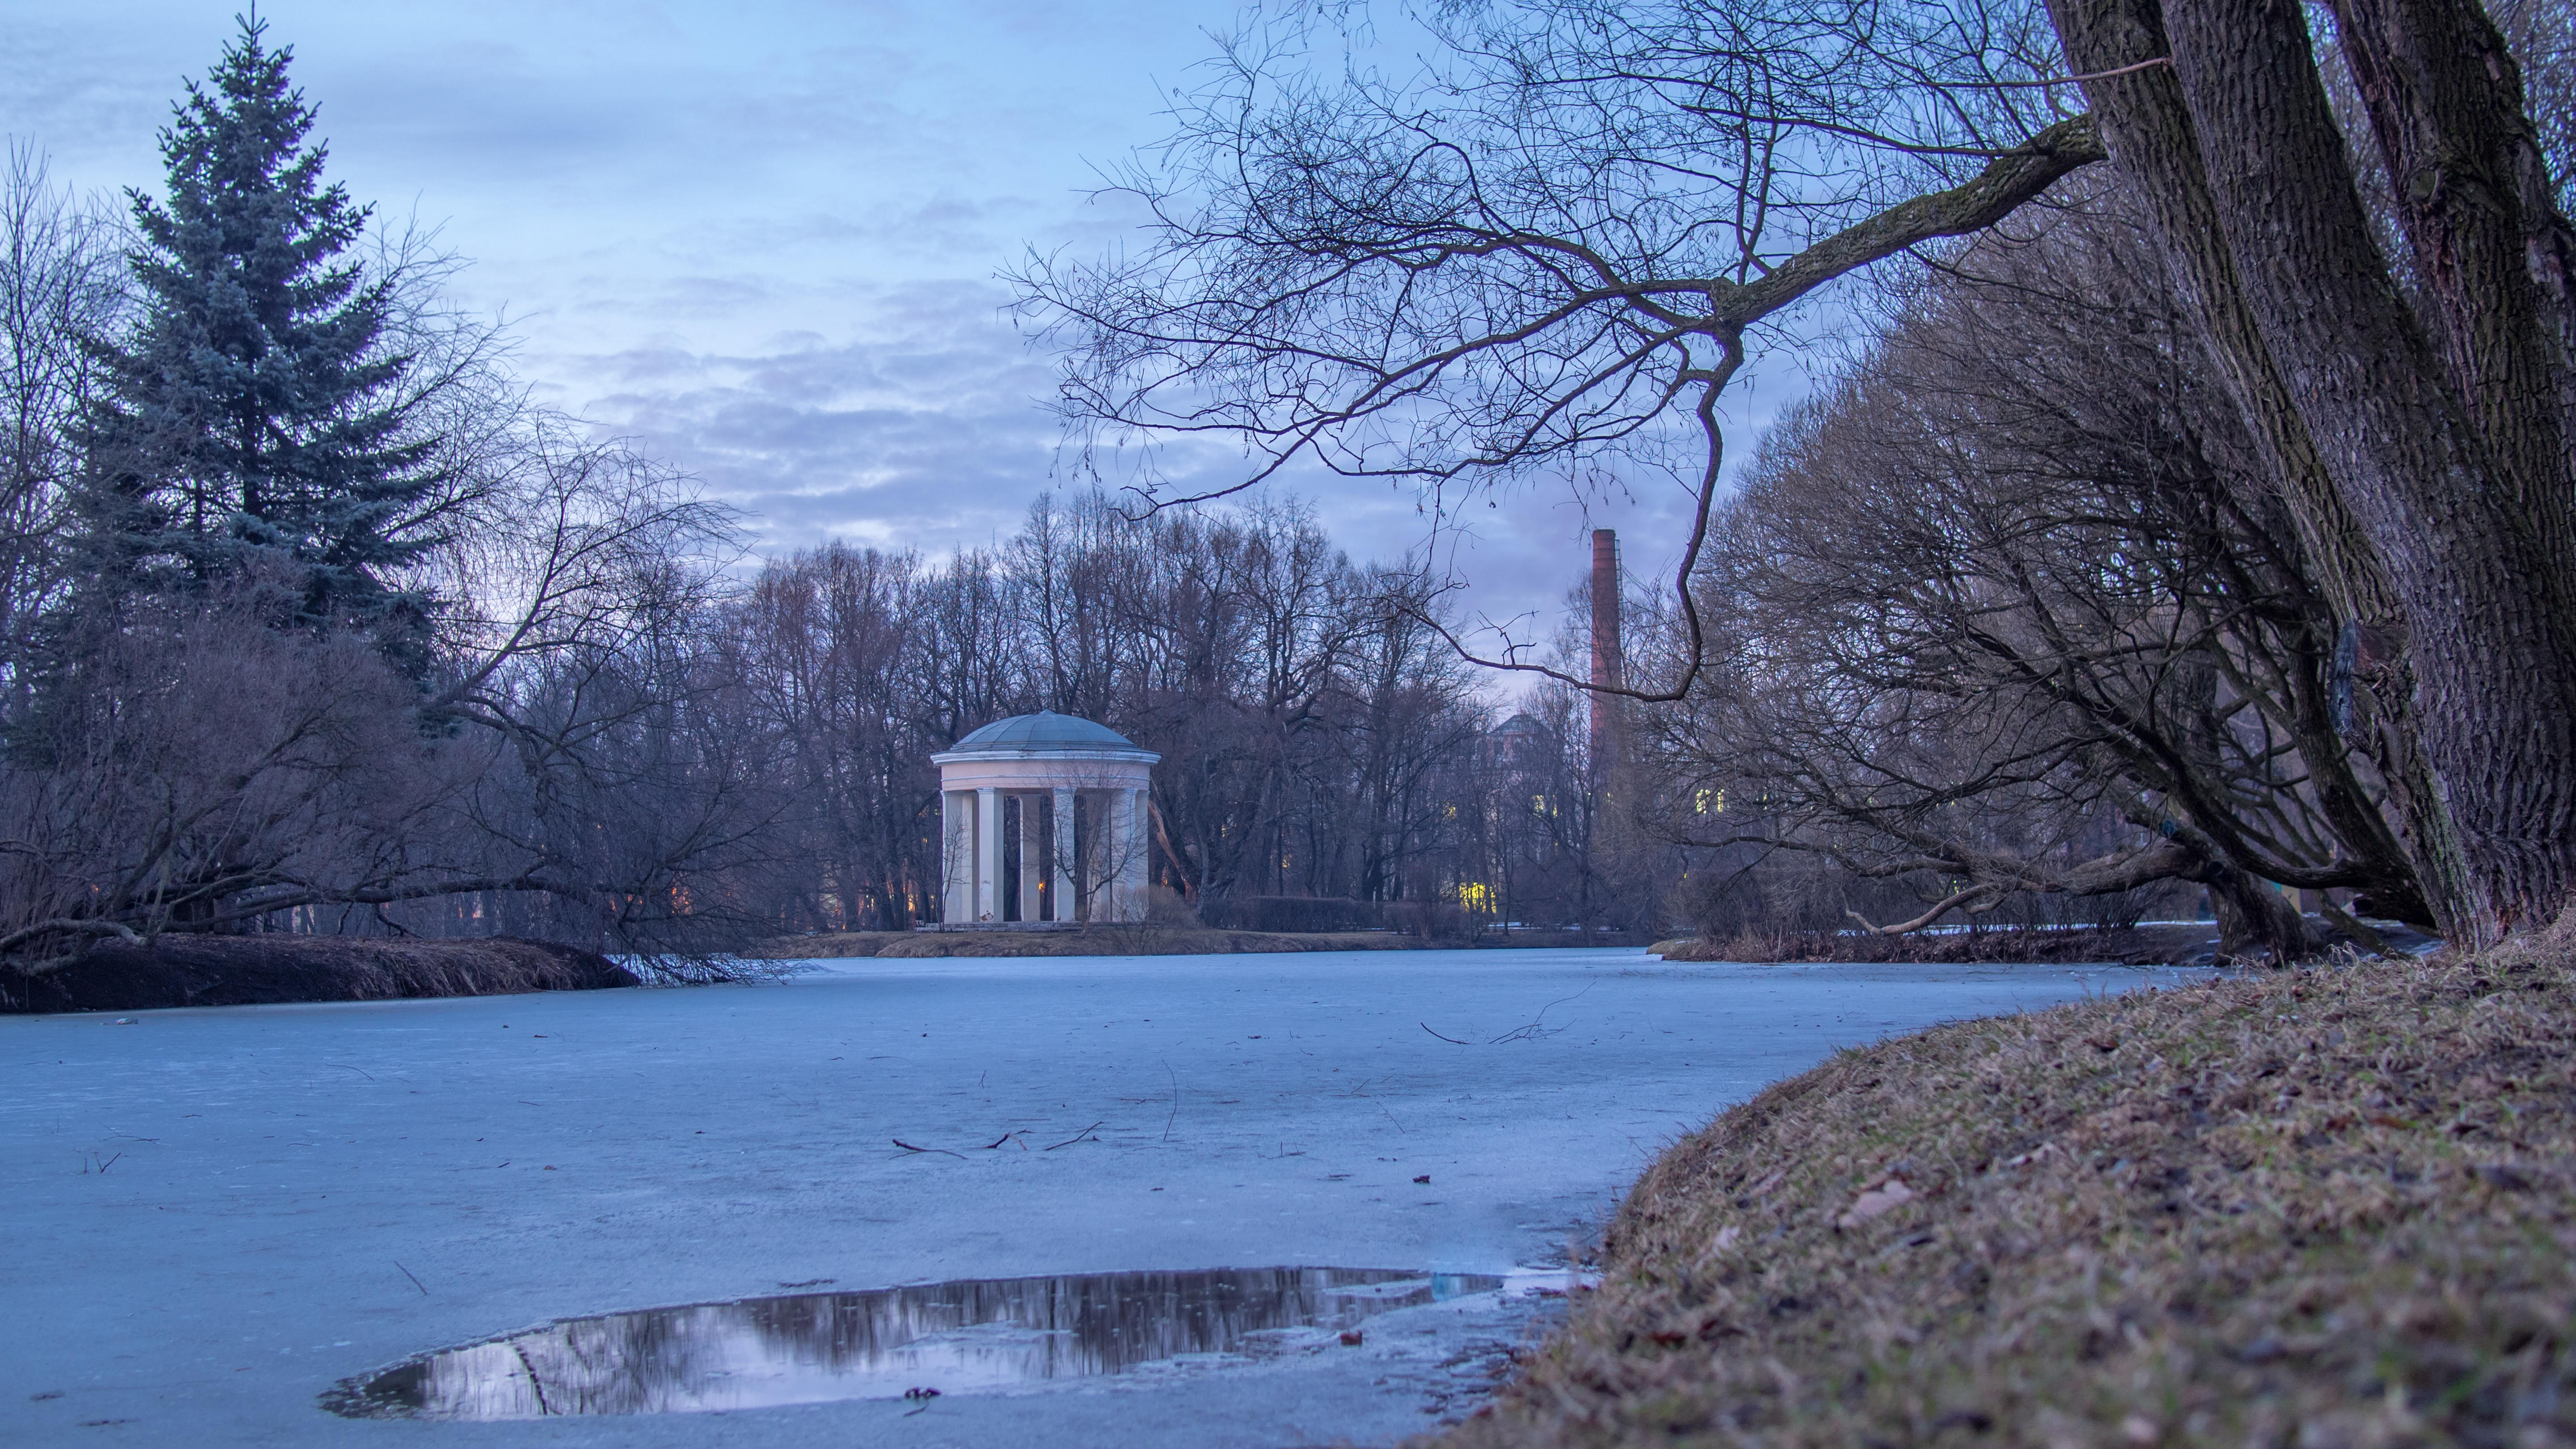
{"type": "Point", "coordinates": [1558, 243]}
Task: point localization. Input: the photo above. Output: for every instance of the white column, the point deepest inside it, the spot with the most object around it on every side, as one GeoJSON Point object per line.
{"type": "Point", "coordinates": [988, 854]}
{"type": "Point", "coordinates": [1033, 850]}
{"type": "Point", "coordinates": [1060, 867]}
{"type": "Point", "coordinates": [956, 859]}
{"type": "Point", "coordinates": [1109, 867]}
{"type": "Point", "coordinates": [1135, 838]}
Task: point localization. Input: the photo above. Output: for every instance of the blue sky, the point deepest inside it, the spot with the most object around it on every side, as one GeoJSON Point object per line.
{"type": "Point", "coordinates": [761, 237]}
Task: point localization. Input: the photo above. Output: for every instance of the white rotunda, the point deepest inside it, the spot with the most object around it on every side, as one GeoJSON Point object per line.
{"type": "Point", "coordinates": [1043, 819]}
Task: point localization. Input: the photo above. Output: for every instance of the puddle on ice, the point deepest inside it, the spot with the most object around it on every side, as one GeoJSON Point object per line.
{"type": "Point", "coordinates": [818, 1347]}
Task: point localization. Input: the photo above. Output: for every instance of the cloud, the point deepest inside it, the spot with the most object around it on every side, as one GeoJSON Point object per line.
{"type": "Point", "coordinates": [920, 420]}
{"type": "Point", "coordinates": [763, 240]}
{"type": "Point", "coordinates": [921, 426]}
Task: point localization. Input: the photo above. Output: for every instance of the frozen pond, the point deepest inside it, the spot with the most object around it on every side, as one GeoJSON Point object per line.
{"type": "Point", "coordinates": [218, 1215]}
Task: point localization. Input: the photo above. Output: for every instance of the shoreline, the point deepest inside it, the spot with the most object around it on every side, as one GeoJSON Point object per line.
{"type": "Point", "coordinates": [2329, 1205]}
{"type": "Point", "coordinates": [2149, 943]}
{"type": "Point", "coordinates": [1149, 941]}
{"type": "Point", "coordinates": [275, 969]}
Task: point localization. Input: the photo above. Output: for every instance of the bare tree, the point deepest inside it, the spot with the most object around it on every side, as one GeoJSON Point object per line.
{"type": "Point", "coordinates": [2017, 578]}
{"type": "Point", "coordinates": [1554, 247]}
{"type": "Point", "coordinates": [1317, 738]}
{"type": "Point", "coordinates": [197, 770]}
{"type": "Point", "coordinates": [1550, 252]}
{"type": "Point", "coordinates": [60, 282]}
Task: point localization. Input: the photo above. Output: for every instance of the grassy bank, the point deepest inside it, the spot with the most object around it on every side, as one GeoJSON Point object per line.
{"type": "Point", "coordinates": [268, 969]}
{"type": "Point", "coordinates": [2165, 945]}
{"type": "Point", "coordinates": [2169, 943]}
{"type": "Point", "coordinates": [2324, 1207]}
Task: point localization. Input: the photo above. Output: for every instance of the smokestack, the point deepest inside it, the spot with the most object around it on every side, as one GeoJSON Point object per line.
{"type": "Point", "coordinates": [1608, 665]}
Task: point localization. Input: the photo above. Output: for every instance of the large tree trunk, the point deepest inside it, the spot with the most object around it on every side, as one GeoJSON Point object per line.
{"type": "Point", "coordinates": [2491, 253]}
{"type": "Point", "coordinates": [2256, 922]}
{"type": "Point", "coordinates": [2419, 528]}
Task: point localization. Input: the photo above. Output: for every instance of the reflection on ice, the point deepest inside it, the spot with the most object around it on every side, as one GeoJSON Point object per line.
{"type": "Point", "coordinates": [817, 1347]}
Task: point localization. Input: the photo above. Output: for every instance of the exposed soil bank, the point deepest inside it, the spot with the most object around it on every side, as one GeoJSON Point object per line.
{"type": "Point", "coordinates": [1146, 941]}
{"type": "Point", "coordinates": [2327, 1206]}
{"type": "Point", "coordinates": [258, 970]}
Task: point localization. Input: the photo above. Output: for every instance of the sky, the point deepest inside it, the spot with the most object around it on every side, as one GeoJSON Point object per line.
{"type": "Point", "coordinates": [766, 239]}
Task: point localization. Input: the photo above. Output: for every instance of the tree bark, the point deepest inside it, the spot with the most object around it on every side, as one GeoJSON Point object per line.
{"type": "Point", "coordinates": [2252, 188]}
{"type": "Point", "coordinates": [2152, 137]}
{"type": "Point", "coordinates": [2446, 108]}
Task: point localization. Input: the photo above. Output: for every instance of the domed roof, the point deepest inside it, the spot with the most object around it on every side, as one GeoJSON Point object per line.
{"type": "Point", "coordinates": [1045, 730]}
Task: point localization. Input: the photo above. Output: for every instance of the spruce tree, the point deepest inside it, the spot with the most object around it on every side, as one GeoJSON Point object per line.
{"type": "Point", "coordinates": [254, 412]}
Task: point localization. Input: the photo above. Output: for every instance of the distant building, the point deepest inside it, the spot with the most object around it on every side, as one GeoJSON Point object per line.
{"type": "Point", "coordinates": [1043, 819]}
{"type": "Point", "coordinates": [1516, 742]}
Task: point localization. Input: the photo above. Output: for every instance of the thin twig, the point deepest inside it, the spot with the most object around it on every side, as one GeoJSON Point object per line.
{"type": "Point", "coordinates": [2068, 80]}
{"type": "Point", "coordinates": [1453, 1041]}
{"type": "Point", "coordinates": [1533, 1031]}
{"type": "Point", "coordinates": [361, 1071]}
{"type": "Point", "coordinates": [415, 1282]}
{"type": "Point", "coordinates": [1176, 1100]}
{"type": "Point", "coordinates": [1078, 1136]}
{"type": "Point", "coordinates": [908, 1147]}
{"type": "Point", "coordinates": [998, 1141]}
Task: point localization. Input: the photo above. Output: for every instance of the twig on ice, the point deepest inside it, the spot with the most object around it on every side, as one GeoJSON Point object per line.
{"type": "Point", "coordinates": [1453, 1041]}
{"type": "Point", "coordinates": [1176, 1101]}
{"type": "Point", "coordinates": [1534, 1031]}
{"type": "Point", "coordinates": [415, 1282]}
{"type": "Point", "coordinates": [908, 1147]}
{"type": "Point", "coordinates": [1078, 1136]}
{"type": "Point", "coordinates": [998, 1141]}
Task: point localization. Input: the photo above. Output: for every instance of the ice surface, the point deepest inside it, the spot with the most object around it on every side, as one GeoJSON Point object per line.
{"type": "Point", "coordinates": [293, 1195]}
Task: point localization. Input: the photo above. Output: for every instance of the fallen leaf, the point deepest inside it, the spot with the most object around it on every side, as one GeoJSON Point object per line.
{"type": "Point", "coordinates": [1884, 1198]}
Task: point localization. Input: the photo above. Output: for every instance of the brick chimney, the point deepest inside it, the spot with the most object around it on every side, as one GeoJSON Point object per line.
{"type": "Point", "coordinates": [1608, 664]}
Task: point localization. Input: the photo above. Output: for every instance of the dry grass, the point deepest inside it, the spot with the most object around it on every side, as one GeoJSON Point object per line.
{"type": "Point", "coordinates": [2314, 1208]}
{"type": "Point", "coordinates": [251, 970]}
{"type": "Point", "coordinates": [2136, 946]}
